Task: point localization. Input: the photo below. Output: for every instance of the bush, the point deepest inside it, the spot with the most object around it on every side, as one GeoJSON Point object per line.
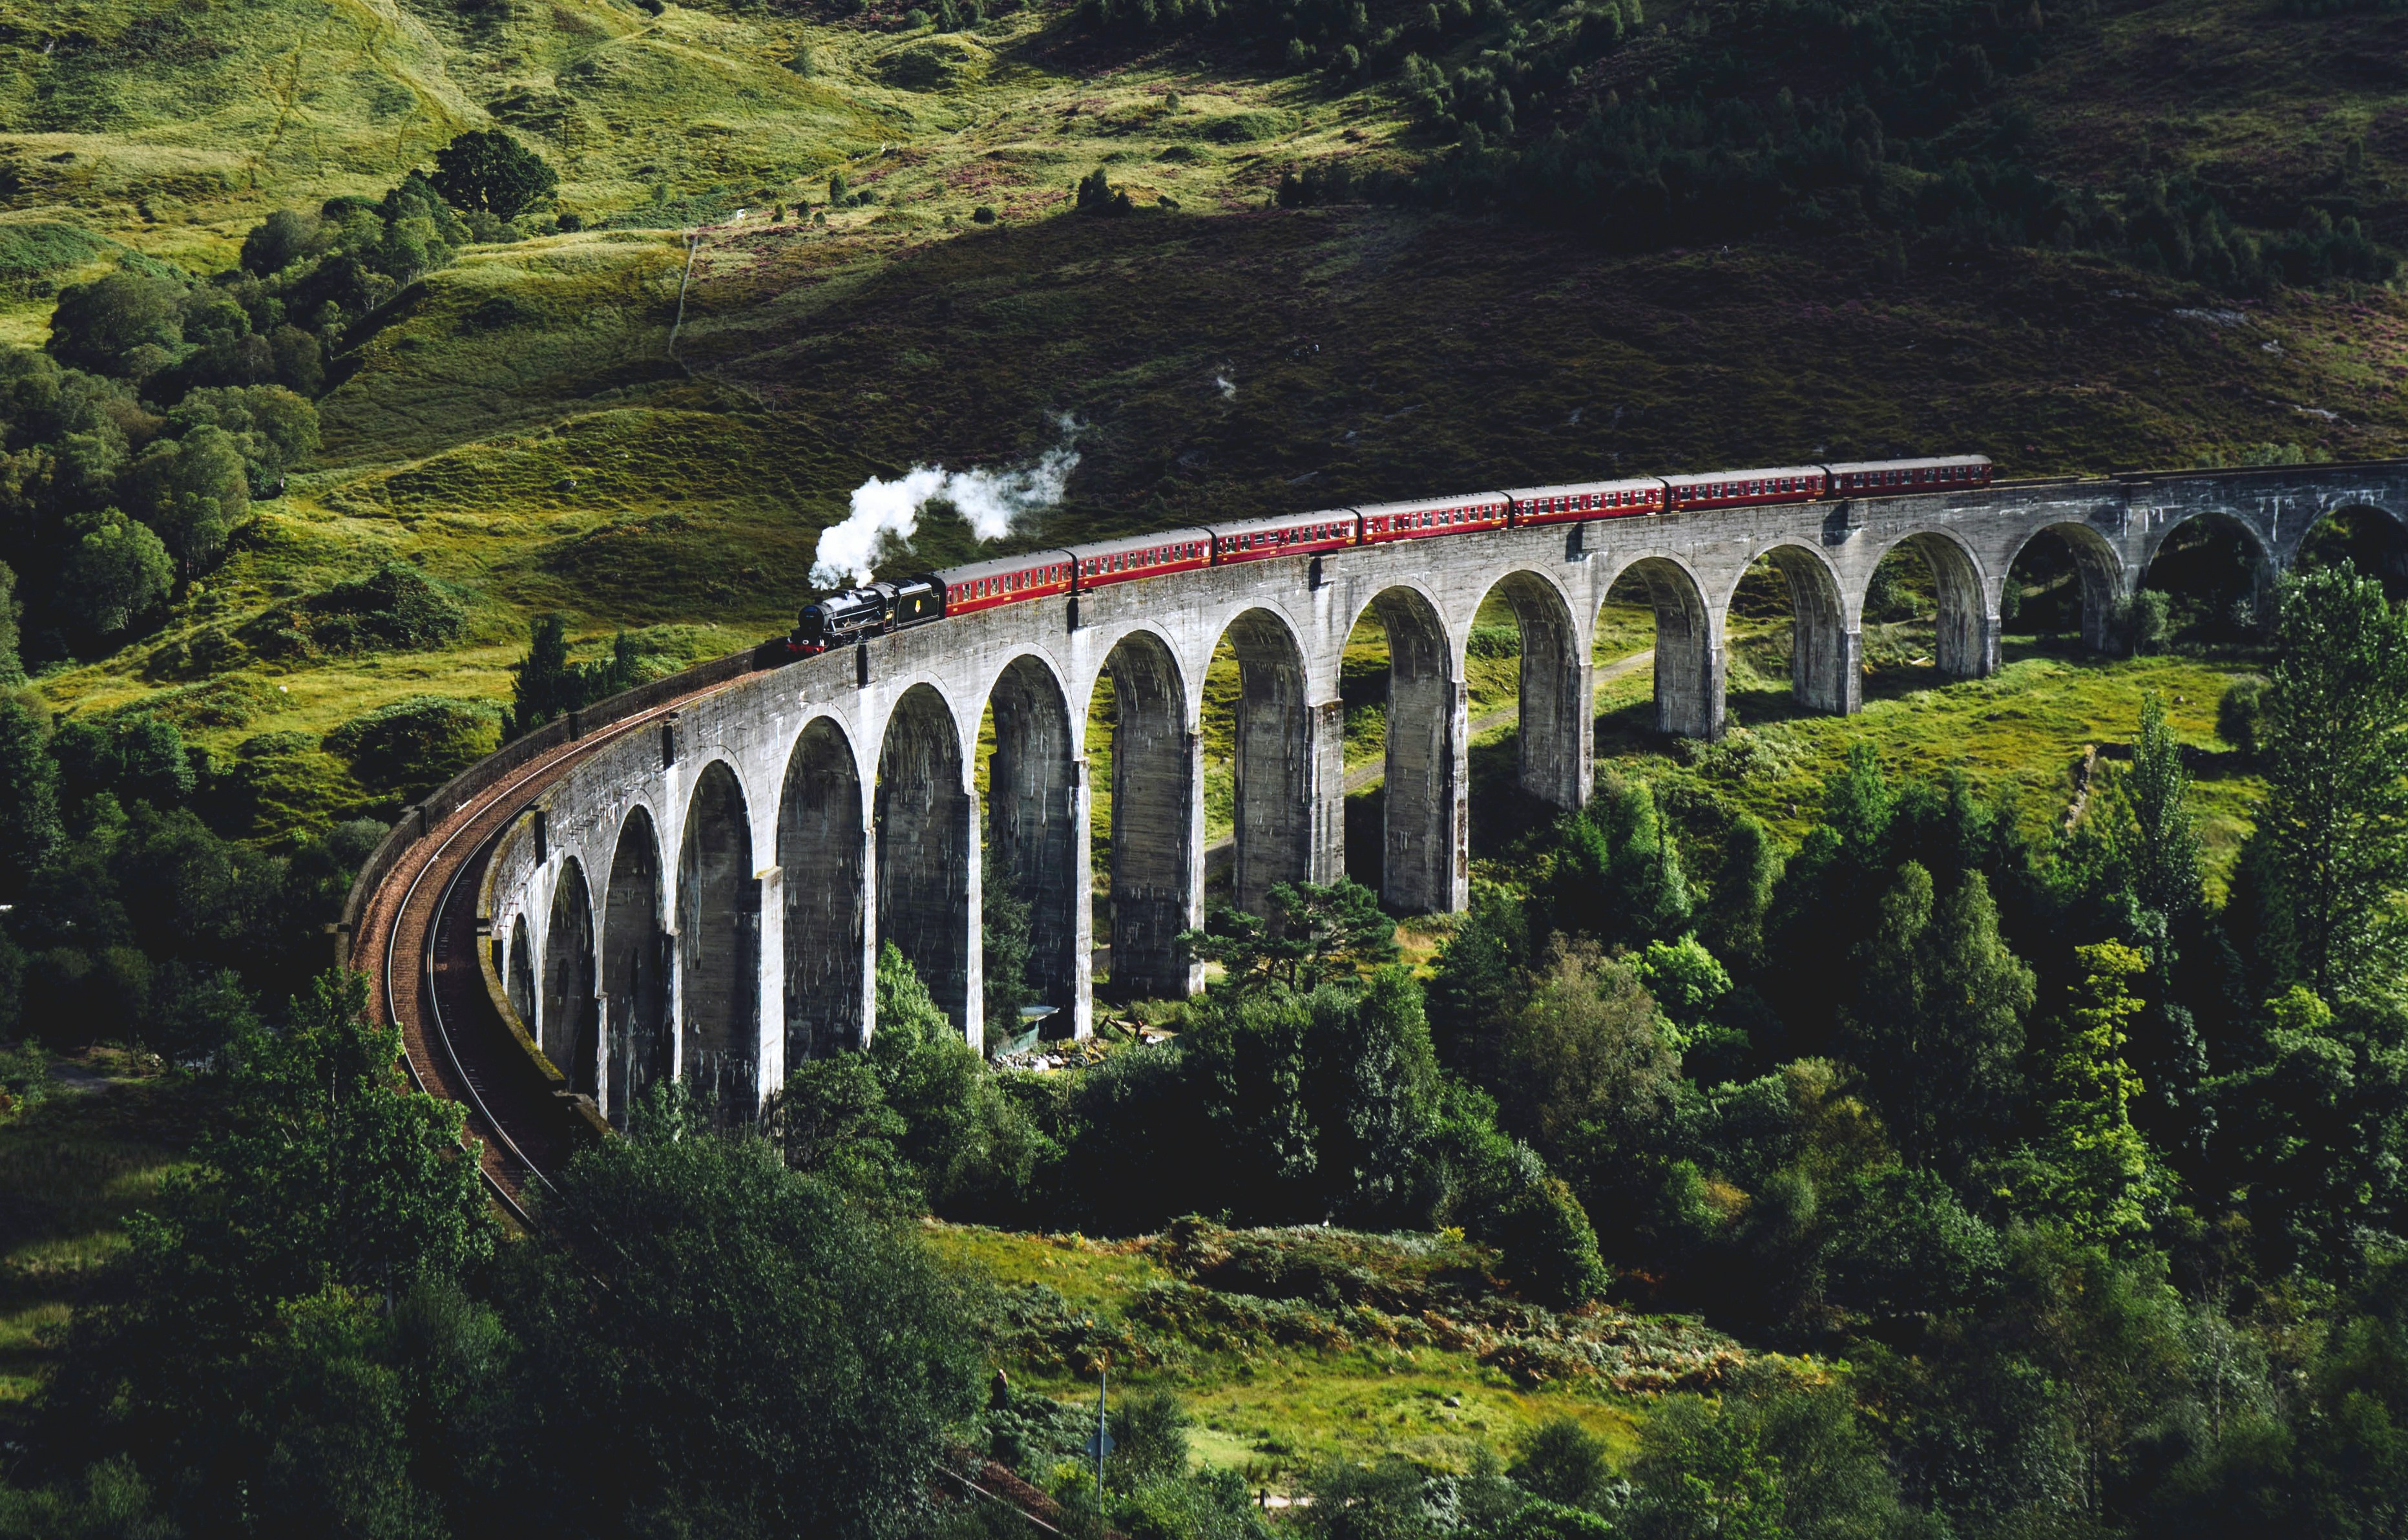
{"type": "Point", "coordinates": [396, 607]}
{"type": "Point", "coordinates": [2236, 712]}
{"type": "Point", "coordinates": [414, 745]}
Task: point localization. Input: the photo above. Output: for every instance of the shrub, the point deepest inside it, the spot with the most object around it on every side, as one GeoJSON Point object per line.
{"type": "Point", "coordinates": [414, 745]}
{"type": "Point", "coordinates": [2236, 713]}
{"type": "Point", "coordinates": [396, 607]}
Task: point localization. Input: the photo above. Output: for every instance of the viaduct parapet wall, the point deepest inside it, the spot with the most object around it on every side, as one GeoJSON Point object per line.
{"type": "Point", "coordinates": [708, 899]}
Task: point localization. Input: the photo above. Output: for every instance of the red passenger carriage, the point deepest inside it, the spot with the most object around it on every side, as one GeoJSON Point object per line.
{"type": "Point", "coordinates": [1384, 521]}
{"type": "Point", "coordinates": [1587, 500]}
{"type": "Point", "coordinates": [1295, 535]}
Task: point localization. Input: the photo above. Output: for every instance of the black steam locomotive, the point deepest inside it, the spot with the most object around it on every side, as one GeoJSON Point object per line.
{"type": "Point", "coordinates": [874, 611]}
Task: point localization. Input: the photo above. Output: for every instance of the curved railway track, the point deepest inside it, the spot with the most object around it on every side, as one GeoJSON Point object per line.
{"type": "Point", "coordinates": [416, 936]}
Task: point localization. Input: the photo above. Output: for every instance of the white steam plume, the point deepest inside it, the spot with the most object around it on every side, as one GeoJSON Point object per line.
{"type": "Point", "coordinates": [887, 513]}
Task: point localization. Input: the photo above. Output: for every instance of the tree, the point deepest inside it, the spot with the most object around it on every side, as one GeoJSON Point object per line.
{"type": "Point", "coordinates": [12, 668]}
{"type": "Point", "coordinates": [1938, 1019]}
{"type": "Point", "coordinates": [1561, 1462]}
{"type": "Point", "coordinates": [1617, 875]}
{"type": "Point", "coordinates": [115, 572]}
{"type": "Point", "coordinates": [247, 1359]}
{"type": "Point", "coordinates": [1477, 974]}
{"type": "Point", "coordinates": [687, 1298]}
{"type": "Point", "coordinates": [2159, 847]}
{"type": "Point", "coordinates": [1582, 1060]}
{"type": "Point", "coordinates": [2333, 738]}
{"type": "Point", "coordinates": [487, 171]}
{"type": "Point", "coordinates": [544, 686]}
{"type": "Point", "coordinates": [1315, 935]}
{"type": "Point", "coordinates": [1733, 919]}
{"type": "Point", "coordinates": [122, 324]}
{"type": "Point", "coordinates": [2096, 1171]}
{"type": "Point", "coordinates": [29, 796]}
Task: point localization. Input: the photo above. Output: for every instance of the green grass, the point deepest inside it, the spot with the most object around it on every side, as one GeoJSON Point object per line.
{"type": "Point", "coordinates": [1276, 1404]}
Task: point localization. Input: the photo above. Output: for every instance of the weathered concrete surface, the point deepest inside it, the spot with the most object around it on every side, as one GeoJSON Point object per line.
{"type": "Point", "coordinates": [853, 775]}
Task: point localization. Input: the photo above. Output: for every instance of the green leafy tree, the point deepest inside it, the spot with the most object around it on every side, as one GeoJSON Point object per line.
{"type": "Point", "coordinates": [327, 1187]}
{"type": "Point", "coordinates": [1314, 935]}
{"type": "Point", "coordinates": [2159, 842]}
{"type": "Point", "coordinates": [29, 796]}
{"type": "Point", "coordinates": [1005, 951]}
{"type": "Point", "coordinates": [688, 1296]}
{"type": "Point", "coordinates": [12, 668]}
{"type": "Point", "coordinates": [1562, 1461]}
{"type": "Point", "coordinates": [2095, 1171]}
{"type": "Point", "coordinates": [1582, 1066]}
{"type": "Point", "coordinates": [1617, 871]}
{"type": "Point", "coordinates": [1733, 918]}
{"type": "Point", "coordinates": [1477, 974]}
{"type": "Point", "coordinates": [972, 1150]}
{"type": "Point", "coordinates": [1938, 1022]}
{"type": "Point", "coordinates": [487, 171]}
{"type": "Point", "coordinates": [191, 490]}
{"type": "Point", "coordinates": [123, 323]}
{"type": "Point", "coordinates": [115, 572]}
{"type": "Point", "coordinates": [2333, 738]}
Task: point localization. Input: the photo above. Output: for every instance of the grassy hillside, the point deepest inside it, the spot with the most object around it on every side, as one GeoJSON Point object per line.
{"type": "Point", "coordinates": [519, 426]}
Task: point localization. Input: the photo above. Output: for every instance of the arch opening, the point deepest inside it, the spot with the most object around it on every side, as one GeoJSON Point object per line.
{"type": "Point", "coordinates": [518, 975]}
{"type": "Point", "coordinates": [2367, 538]}
{"type": "Point", "coordinates": [822, 846]}
{"type": "Point", "coordinates": [1927, 580]}
{"type": "Point", "coordinates": [2215, 583]}
{"type": "Point", "coordinates": [1028, 890]}
{"type": "Point", "coordinates": [1526, 682]}
{"type": "Point", "coordinates": [1687, 655]}
{"type": "Point", "coordinates": [569, 1021]}
{"type": "Point", "coordinates": [718, 947]}
{"type": "Point", "coordinates": [926, 842]}
{"type": "Point", "coordinates": [2066, 578]}
{"type": "Point", "coordinates": [1785, 622]}
{"type": "Point", "coordinates": [1257, 701]}
{"type": "Point", "coordinates": [1143, 767]}
{"type": "Point", "coordinates": [1405, 705]}
{"type": "Point", "coordinates": [635, 964]}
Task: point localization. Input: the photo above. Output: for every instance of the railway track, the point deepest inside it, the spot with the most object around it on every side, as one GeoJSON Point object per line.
{"type": "Point", "coordinates": [417, 938]}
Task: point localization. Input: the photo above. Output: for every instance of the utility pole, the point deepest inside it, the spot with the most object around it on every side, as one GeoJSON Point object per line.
{"type": "Point", "coordinates": [1101, 1445]}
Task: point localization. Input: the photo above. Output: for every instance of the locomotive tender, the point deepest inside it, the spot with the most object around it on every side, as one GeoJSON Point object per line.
{"type": "Point", "coordinates": [883, 607]}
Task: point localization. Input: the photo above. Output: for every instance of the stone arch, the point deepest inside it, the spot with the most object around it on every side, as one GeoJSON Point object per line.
{"type": "Point", "coordinates": [518, 973]}
{"type": "Point", "coordinates": [1826, 672]}
{"type": "Point", "coordinates": [1965, 632]}
{"type": "Point", "coordinates": [2099, 570]}
{"type": "Point", "coordinates": [1273, 760]}
{"type": "Point", "coordinates": [1033, 820]}
{"type": "Point", "coordinates": [1425, 829]}
{"type": "Point", "coordinates": [926, 841]}
{"type": "Point", "coordinates": [718, 945]}
{"type": "Point", "coordinates": [570, 1016]}
{"type": "Point", "coordinates": [2262, 565]}
{"type": "Point", "coordinates": [1556, 733]}
{"type": "Point", "coordinates": [822, 849]}
{"type": "Point", "coordinates": [637, 1048]}
{"type": "Point", "coordinates": [1157, 769]}
{"type": "Point", "coordinates": [1689, 649]}
{"type": "Point", "coordinates": [2389, 563]}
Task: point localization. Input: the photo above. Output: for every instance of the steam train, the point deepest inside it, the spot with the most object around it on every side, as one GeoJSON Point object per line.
{"type": "Point", "coordinates": [883, 607]}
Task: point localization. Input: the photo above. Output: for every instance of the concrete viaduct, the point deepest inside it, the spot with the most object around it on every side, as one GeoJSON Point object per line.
{"type": "Point", "coordinates": [703, 892]}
